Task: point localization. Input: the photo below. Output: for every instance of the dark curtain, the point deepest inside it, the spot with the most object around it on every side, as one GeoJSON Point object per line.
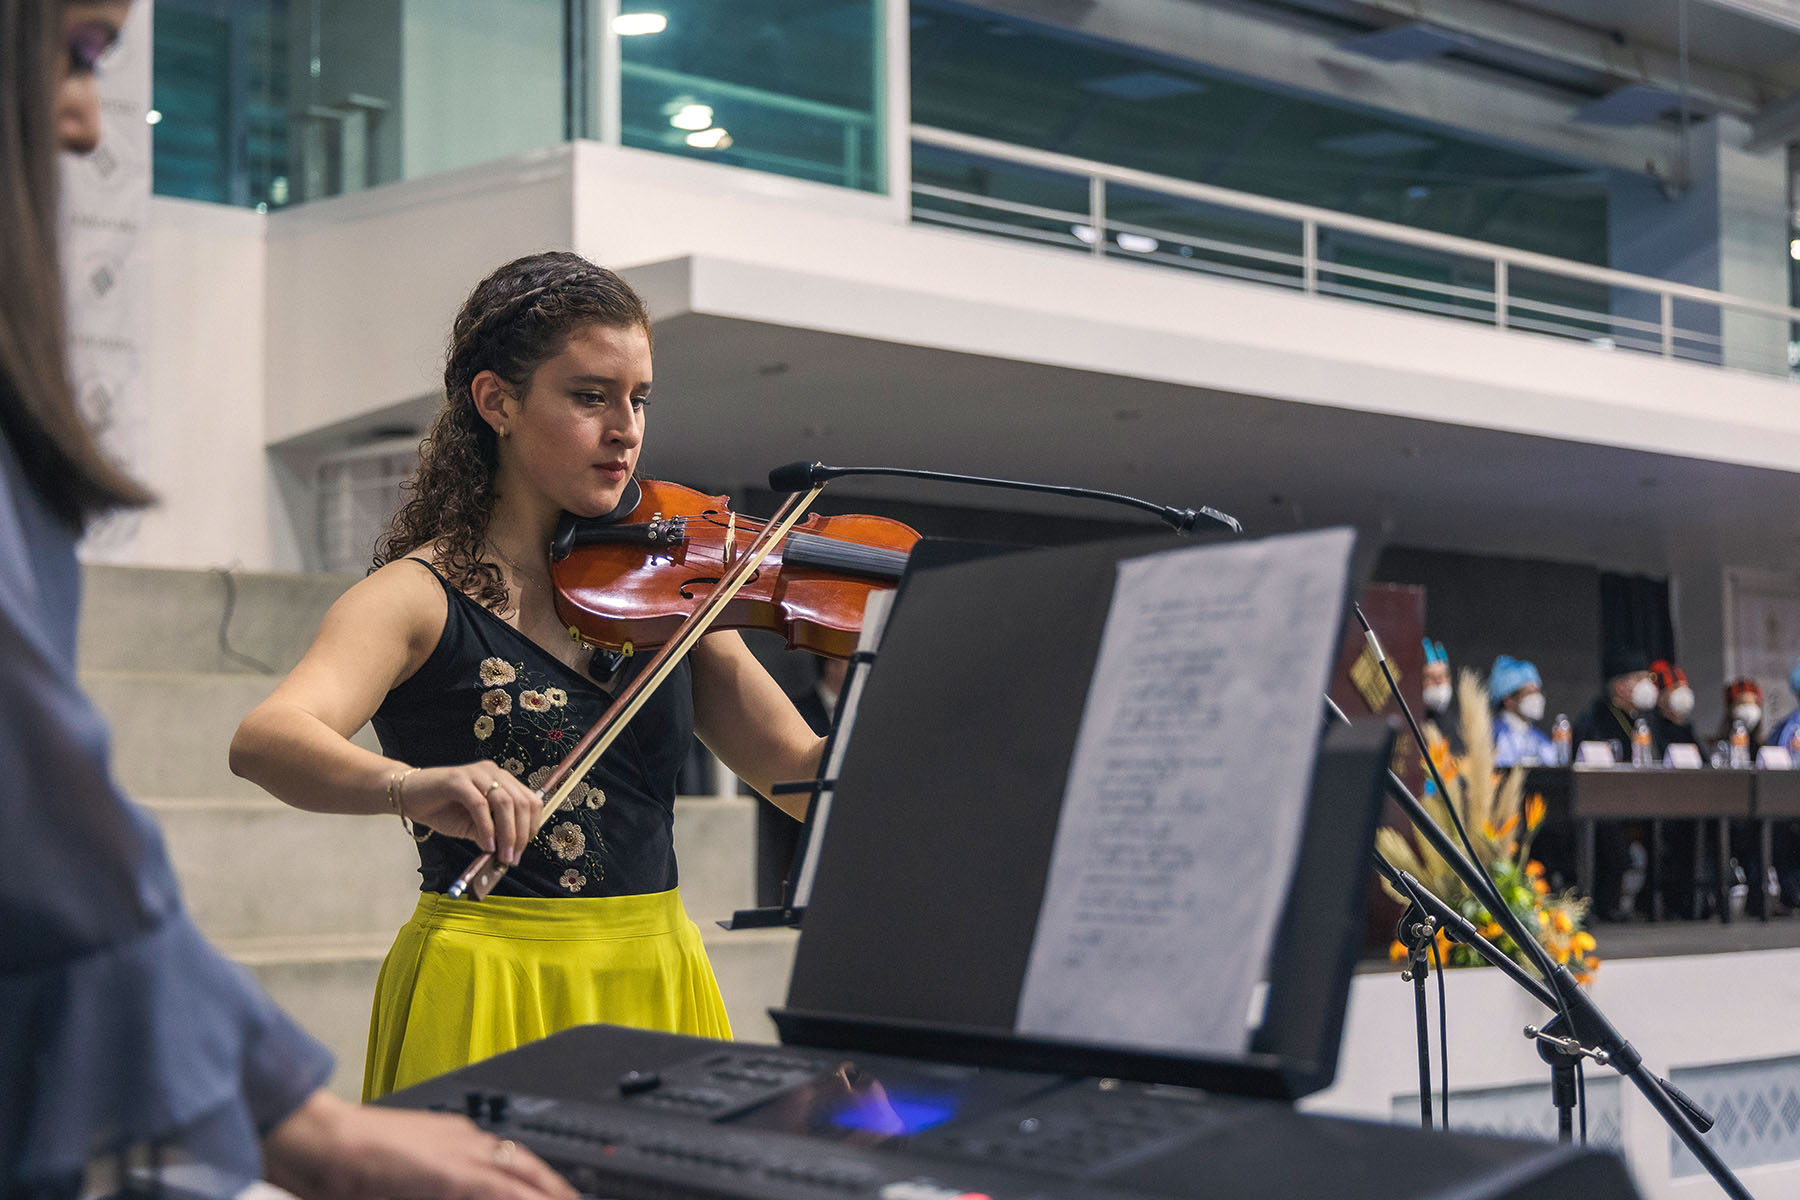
{"type": "Point", "coordinates": [1634, 612]}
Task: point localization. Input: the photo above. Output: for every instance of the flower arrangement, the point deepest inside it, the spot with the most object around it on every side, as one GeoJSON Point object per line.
{"type": "Point", "coordinates": [1501, 823]}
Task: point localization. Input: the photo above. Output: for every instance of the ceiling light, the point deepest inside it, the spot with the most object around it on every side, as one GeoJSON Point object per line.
{"type": "Point", "coordinates": [709, 139]}
{"type": "Point", "coordinates": [636, 24]}
{"type": "Point", "coordinates": [153, 117]}
{"type": "Point", "coordinates": [692, 116]}
{"type": "Point", "coordinates": [1137, 243]}
{"type": "Point", "coordinates": [1794, 249]}
{"type": "Point", "coordinates": [1083, 233]}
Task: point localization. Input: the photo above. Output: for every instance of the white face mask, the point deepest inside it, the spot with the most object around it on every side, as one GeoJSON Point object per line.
{"type": "Point", "coordinates": [1437, 696]}
{"type": "Point", "coordinates": [1749, 714]}
{"type": "Point", "coordinates": [1681, 702]}
{"type": "Point", "coordinates": [1532, 707]}
{"type": "Point", "coordinates": [1643, 695]}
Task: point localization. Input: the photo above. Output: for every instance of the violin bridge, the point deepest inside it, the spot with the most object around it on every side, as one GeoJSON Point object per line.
{"type": "Point", "coordinates": [730, 539]}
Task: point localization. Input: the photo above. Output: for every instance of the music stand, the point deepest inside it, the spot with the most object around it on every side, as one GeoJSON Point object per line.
{"type": "Point", "coordinates": [926, 555]}
{"type": "Point", "coordinates": [931, 879]}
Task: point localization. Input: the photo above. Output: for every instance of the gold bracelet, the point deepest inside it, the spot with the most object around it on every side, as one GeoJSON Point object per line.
{"type": "Point", "coordinates": [396, 784]}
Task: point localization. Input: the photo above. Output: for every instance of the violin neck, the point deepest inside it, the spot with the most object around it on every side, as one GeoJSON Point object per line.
{"type": "Point", "coordinates": [849, 558]}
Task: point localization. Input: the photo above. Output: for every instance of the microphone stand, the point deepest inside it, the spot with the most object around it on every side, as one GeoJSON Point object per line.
{"type": "Point", "coordinates": [1585, 1031]}
{"type": "Point", "coordinates": [798, 476]}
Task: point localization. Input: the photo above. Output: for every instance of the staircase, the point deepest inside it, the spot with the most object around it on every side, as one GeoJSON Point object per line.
{"type": "Point", "coordinates": [310, 902]}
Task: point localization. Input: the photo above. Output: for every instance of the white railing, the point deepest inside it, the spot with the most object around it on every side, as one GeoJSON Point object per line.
{"type": "Point", "coordinates": [1321, 252]}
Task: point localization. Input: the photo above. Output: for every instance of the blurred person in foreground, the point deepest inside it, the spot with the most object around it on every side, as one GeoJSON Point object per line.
{"type": "Point", "coordinates": [131, 1039]}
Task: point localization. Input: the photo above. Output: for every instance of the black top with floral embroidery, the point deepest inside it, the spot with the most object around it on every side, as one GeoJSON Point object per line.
{"type": "Point", "coordinates": [490, 692]}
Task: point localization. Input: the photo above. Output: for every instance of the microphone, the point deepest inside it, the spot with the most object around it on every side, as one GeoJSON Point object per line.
{"type": "Point", "coordinates": [798, 476]}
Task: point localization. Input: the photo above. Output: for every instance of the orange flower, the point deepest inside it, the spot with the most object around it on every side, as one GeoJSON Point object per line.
{"type": "Point", "coordinates": [1584, 940]}
{"type": "Point", "coordinates": [1541, 886]}
{"type": "Point", "coordinates": [1559, 920]}
{"type": "Point", "coordinates": [1534, 868]}
{"type": "Point", "coordinates": [1491, 930]}
{"type": "Point", "coordinates": [1505, 831]}
{"type": "Point", "coordinates": [1591, 962]}
{"type": "Point", "coordinates": [1534, 812]}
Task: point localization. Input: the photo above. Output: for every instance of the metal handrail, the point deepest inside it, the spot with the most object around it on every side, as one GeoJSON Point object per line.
{"type": "Point", "coordinates": [1311, 219]}
{"type": "Point", "coordinates": [737, 91]}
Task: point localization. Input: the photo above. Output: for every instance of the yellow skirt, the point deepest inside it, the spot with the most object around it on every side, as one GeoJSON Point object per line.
{"type": "Point", "coordinates": [466, 980]}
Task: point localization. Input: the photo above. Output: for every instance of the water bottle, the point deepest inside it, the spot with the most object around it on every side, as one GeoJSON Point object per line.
{"type": "Point", "coordinates": [1640, 743]}
{"type": "Point", "coordinates": [1562, 737]}
{"type": "Point", "coordinates": [1740, 745]}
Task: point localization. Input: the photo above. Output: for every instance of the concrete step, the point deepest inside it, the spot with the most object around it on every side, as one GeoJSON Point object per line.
{"type": "Point", "coordinates": [251, 866]}
{"type": "Point", "coordinates": [328, 985]}
{"type": "Point", "coordinates": [172, 730]}
{"type": "Point", "coordinates": [161, 619]}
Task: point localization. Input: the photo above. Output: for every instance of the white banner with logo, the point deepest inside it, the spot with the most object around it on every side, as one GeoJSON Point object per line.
{"type": "Point", "coordinates": [106, 257]}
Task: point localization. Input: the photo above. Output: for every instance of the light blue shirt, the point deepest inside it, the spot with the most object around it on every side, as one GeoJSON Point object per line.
{"type": "Point", "coordinates": [1517, 743]}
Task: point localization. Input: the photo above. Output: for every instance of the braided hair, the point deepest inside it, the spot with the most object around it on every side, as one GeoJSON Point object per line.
{"type": "Point", "coordinates": [515, 320]}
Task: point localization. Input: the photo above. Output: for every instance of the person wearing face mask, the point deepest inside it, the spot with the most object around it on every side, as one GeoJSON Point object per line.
{"type": "Point", "coordinates": [1442, 715]}
{"type": "Point", "coordinates": [1743, 704]}
{"type": "Point", "coordinates": [1630, 696]}
{"type": "Point", "coordinates": [1516, 691]}
{"type": "Point", "coordinates": [1671, 723]}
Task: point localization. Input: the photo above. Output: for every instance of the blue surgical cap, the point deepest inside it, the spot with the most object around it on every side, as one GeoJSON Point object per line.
{"type": "Point", "coordinates": [1509, 675]}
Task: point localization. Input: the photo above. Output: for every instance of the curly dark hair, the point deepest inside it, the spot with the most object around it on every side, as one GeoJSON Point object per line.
{"type": "Point", "coordinates": [515, 320]}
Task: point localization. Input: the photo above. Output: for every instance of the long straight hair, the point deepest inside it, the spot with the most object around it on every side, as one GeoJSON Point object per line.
{"type": "Point", "coordinates": [38, 415]}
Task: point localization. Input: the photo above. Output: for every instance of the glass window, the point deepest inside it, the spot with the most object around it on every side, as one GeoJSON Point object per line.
{"type": "Point", "coordinates": [982, 74]}
{"type": "Point", "coordinates": [787, 86]}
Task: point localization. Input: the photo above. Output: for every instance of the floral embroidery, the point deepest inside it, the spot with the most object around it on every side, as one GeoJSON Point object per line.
{"type": "Point", "coordinates": [568, 841]}
{"type": "Point", "coordinates": [524, 721]}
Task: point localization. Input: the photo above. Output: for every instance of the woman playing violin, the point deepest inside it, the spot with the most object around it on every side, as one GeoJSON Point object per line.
{"type": "Point", "coordinates": [453, 648]}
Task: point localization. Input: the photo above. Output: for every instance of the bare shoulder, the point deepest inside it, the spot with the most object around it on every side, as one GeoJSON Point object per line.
{"type": "Point", "coordinates": [401, 602]}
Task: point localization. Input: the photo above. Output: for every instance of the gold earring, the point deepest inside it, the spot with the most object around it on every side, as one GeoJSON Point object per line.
{"type": "Point", "coordinates": [503, 431]}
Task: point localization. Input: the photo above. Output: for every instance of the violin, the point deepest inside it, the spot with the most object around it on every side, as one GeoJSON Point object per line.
{"type": "Point", "coordinates": [629, 579]}
{"type": "Point", "coordinates": [723, 574]}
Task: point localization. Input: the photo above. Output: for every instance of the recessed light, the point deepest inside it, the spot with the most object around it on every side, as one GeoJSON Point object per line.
{"type": "Point", "coordinates": [692, 116]}
{"type": "Point", "coordinates": [709, 139]}
{"type": "Point", "coordinates": [637, 24]}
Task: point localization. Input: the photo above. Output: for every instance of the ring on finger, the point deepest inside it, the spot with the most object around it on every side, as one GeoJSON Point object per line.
{"type": "Point", "coordinates": [503, 1153]}
{"type": "Point", "coordinates": [489, 789]}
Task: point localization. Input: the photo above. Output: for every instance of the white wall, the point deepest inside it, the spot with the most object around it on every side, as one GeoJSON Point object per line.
{"type": "Point", "coordinates": [363, 288]}
{"type": "Point", "coordinates": [1678, 1012]}
{"type": "Point", "coordinates": [203, 442]}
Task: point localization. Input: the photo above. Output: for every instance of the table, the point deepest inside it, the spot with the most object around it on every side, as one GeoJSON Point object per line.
{"type": "Point", "coordinates": [1584, 795]}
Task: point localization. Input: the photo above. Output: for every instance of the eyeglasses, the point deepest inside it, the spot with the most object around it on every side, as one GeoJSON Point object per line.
{"type": "Point", "coordinates": [90, 44]}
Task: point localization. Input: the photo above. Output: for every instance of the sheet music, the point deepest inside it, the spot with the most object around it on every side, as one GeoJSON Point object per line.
{"type": "Point", "coordinates": [1181, 815]}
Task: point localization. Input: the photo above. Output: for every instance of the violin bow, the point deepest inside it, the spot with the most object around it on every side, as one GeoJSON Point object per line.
{"type": "Point", "coordinates": [486, 871]}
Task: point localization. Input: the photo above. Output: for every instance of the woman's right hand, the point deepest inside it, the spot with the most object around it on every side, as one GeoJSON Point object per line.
{"type": "Point", "coordinates": [479, 801]}
{"type": "Point", "coordinates": [328, 1149]}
